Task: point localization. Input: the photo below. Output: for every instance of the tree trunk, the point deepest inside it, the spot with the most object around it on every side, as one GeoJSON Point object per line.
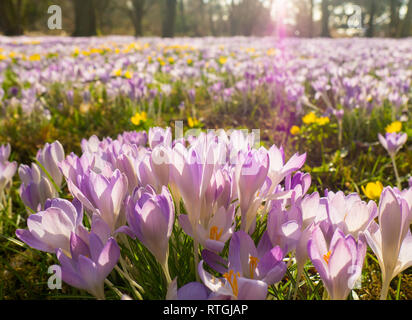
{"type": "Point", "coordinates": [85, 18]}
{"type": "Point", "coordinates": [311, 31]}
{"type": "Point", "coordinates": [169, 15]}
{"type": "Point", "coordinates": [325, 18]}
{"type": "Point", "coordinates": [137, 13]}
{"type": "Point", "coordinates": [182, 16]}
{"type": "Point", "coordinates": [407, 22]}
{"type": "Point", "coordinates": [394, 23]}
{"type": "Point", "coordinates": [11, 18]}
{"type": "Point", "coordinates": [371, 24]}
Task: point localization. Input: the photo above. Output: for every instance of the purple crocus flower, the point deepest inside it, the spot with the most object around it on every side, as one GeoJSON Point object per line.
{"type": "Point", "coordinates": [233, 286]}
{"type": "Point", "coordinates": [190, 291]}
{"type": "Point", "coordinates": [393, 142]}
{"type": "Point", "coordinates": [278, 169]}
{"type": "Point", "coordinates": [102, 195]}
{"type": "Point", "coordinates": [349, 213]}
{"type": "Point", "coordinates": [391, 240]}
{"type": "Point", "coordinates": [50, 157]}
{"type": "Point", "coordinates": [264, 263]}
{"type": "Point", "coordinates": [150, 217]}
{"type": "Point", "coordinates": [5, 152]}
{"type": "Point", "coordinates": [339, 264]}
{"type": "Point", "coordinates": [7, 169]}
{"type": "Point", "coordinates": [251, 172]}
{"type": "Point", "coordinates": [214, 234]}
{"type": "Point", "coordinates": [89, 264]}
{"type": "Point", "coordinates": [161, 136]}
{"type": "Point", "coordinates": [51, 229]}
{"type": "Point", "coordinates": [35, 188]}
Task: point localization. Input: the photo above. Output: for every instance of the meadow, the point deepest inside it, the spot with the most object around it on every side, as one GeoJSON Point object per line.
{"type": "Point", "coordinates": [205, 168]}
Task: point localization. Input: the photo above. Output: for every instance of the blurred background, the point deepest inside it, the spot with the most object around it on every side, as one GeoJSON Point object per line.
{"type": "Point", "coordinates": [197, 18]}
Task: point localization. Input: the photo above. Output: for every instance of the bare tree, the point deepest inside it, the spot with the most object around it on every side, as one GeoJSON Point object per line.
{"type": "Point", "coordinates": [325, 18]}
{"type": "Point", "coordinates": [405, 30]}
{"type": "Point", "coordinates": [85, 18]}
{"type": "Point", "coordinates": [169, 17]}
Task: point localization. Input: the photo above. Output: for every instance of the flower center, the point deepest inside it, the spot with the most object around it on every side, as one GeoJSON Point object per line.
{"type": "Point", "coordinates": [326, 257]}
{"type": "Point", "coordinates": [231, 278]}
{"type": "Point", "coordinates": [214, 233]}
{"type": "Point", "coordinates": [253, 261]}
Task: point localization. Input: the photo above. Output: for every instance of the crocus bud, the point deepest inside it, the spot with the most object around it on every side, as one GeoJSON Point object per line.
{"type": "Point", "coordinates": [35, 188]}
{"type": "Point", "coordinates": [4, 152]}
{"type": "Point", "coordinates": [88, 264]}
{"type": "Point", "coordinates": [393, 142]}
{"type": "Point", "coordinates": [50, 229]}
{"type": "Point", "coordinates": [391, 240]}
{"type": "Point", "coordinates": [161, 136]}
{"type": "Point", "coordinates": [50, 157]}
{"type": "Point", "coordinates": [339, 264]}
{"type": "Point", "coordinates": [150, 217]}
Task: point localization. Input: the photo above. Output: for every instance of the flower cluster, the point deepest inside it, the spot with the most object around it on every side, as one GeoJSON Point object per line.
{"type": "Point", "coordinates": [134, 185]}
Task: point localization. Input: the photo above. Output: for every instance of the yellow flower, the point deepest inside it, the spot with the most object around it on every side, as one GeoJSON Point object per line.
{"type": "Point", "coordinates": [171, 60]}
{"type": "Point", "coordinates": [309, 118]}
{"type": "Point", "coordinates": [192, 122]}
{"type": "Point", "coordinates": [139, 117]}
{"type": "Point", "coordinates": [128, 74]}
{"type": "Point", "coordinates": [2, 57]}
{"type": "Point", "coordinates": [35, 57]}
{"type": "Point", "coordinates": [322, 121]}
{"type": "Point", "coordinates": [189, 61]}
{"type": "Point", "coordinates": [117, 72]}
{"type": "Point", "coordinates": [294, 130]}
{"type": "Point", "coordinates": [222, 60]}
{"type": "Point", "coordinates": [271, 52]}
{"type": "Point", "coordinates": [369, 98]}
{"type": "Point", "coordinates": [373, 190]}
{"type": "Point", "coordinates": [395, 126]}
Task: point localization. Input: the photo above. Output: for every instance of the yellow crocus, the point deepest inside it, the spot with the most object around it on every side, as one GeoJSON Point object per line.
{"type": "Point", "coordinates": [309, 118]}
{"type": "Point", "coordinates": [35, 57]}
{"type": "Point", "coordinates": [139, 117]}
{"type": "Point", "coordinates": [395, 126]}
{"type": "Point", "coordinates": [117, 72]}
{"type": "Point", "coordinates": [192, 122]}
{"type": "Point", "coordinates": [373, 190]}
{"type": "Point", "coordinates": [222, 60]}
{"type": "Point", "coordinates": [128, 74]}
{"type": "Point", "coordinates": [322, 121]}
{"type": "Point", "coordinates": [294, 130]}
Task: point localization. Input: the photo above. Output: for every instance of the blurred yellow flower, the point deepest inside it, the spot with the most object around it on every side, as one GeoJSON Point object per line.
{"type": "Point", "coordinates": [117, 72]}
{"type": "Point", "coordinates": [309, 118]}
{"type": "Point", "coordinates": [294, 130]}
{"type": "Point", "coordinates": [171, 60]}
{"type": "Point", "coordinates": [139, 117]}
{"type": "Point", "coordinates": [271, 52]}
{"type": "Point", "coordinates": [322, 121]}
{"type": "Point", "coordinates": [222, 60]}
{"type": "Point", "coordinates": [369, 98]}
{"type": "Point", "coordinates": [128, 74]}
{"type": "Point", "coordinates": [2, 57]}
{"type": "Point", "coordinates": [192, 122]}
{"type": "Point", "coordinates": [189, 61]}
{"type": "Point", "coordinates": [35, 57]}
{"type": "Point", "coordinates": [395, 126]}
{"type": "Point", "coordinates": [373, 190]}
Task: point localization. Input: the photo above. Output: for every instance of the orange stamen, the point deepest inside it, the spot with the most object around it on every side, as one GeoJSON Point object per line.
{"type": "Point", "coordinates": [326, 257]}
{"type": "Point", "coordinates": [231, 277]}
{"type": "Point", "coordinates": [253, 261]}
{"type": "Point", "coordinates": [215, 234]}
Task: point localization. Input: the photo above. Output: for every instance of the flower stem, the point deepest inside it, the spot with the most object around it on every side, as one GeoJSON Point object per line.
{"type": "Point", "coordinates": [398, 180]}
{"type": "Point", "coordinates": [166, 272]}
{"type": "Point", "coordinates": [196, 254]}
{"type": "Point", "coordinates": [385, 289]}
